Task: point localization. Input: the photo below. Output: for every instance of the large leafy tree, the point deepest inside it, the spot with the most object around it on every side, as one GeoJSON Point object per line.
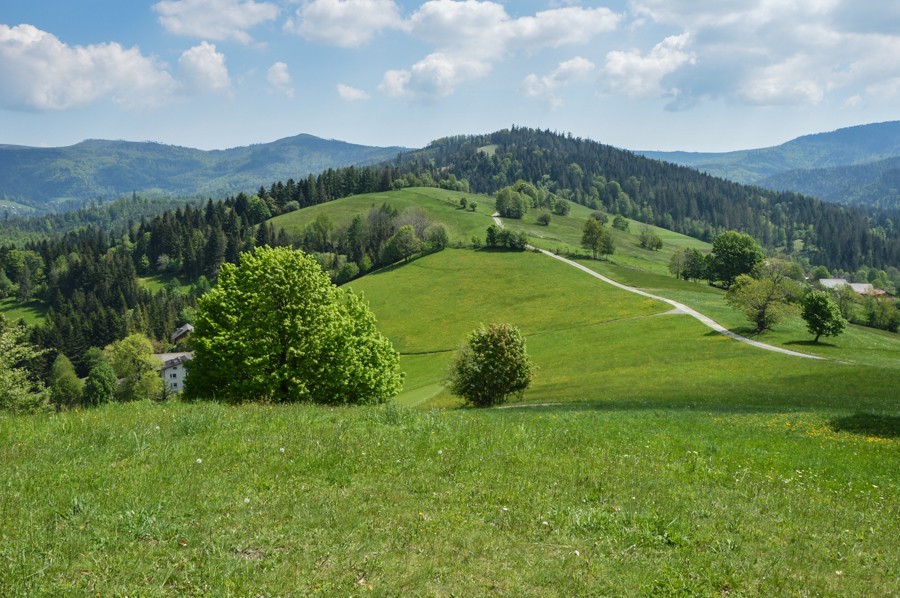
{"type": "Point", "coordinates": [491, 366]}
{"type": "Point", "coordinates": [822, 315]}
{"type": "Point", "coordinates": [276, 329]}
{"type": "Point", "coordinates": [768, 295]}
{"type": "Point", "coordinates": [135, 366]}
{"type": "Point", "coordinates": [733, 254]}
{"type": "Point", "coordinates": [100, 386]}
{"type": "Point", "coordinates": [19, 390]}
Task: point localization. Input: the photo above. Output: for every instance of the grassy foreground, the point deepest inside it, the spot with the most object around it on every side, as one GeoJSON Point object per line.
{"type": "Point", "coordinates": [156, 499]}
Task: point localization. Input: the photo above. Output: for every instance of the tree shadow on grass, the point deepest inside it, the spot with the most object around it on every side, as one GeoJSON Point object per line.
{"type": "Point", "coordinates": [811, 343]}
{"type": "Point", "coordinates": [882, 426]}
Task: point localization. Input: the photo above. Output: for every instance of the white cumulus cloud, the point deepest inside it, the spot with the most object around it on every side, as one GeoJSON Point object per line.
{"type": "Point", "coordinates": [545, 87]}
{"type": "Point", "coordinates": [470, 36]}
{"type": "Point", "coordinates": [40, 72]}
{"type": "Point", "coordinates": [638, 76]}
{"type": "Point", "coordinates": [214, 19]}
{"type": "Point", "coordinates": [351, 94]}
{"type": "Point", "coordinates": [767, 52]}
{"type": "Point", "coordinates": [280, 81]}
{"type": "Point", "coordinates": [203, 68]}
{"type": "Point", "coordinates": [345, 23]}
{"type": "Point", "coordinates": [435, 76]}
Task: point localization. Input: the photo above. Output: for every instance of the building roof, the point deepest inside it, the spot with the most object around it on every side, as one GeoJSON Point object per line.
{"type": "Point", "coordinates": [182, 332]}
{"type": "Point", "coordinates": [833, 283]}
{"type": "Point", "coordinates": [171, 360]}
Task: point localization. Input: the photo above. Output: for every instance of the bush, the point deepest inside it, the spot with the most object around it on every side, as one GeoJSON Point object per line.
{"type": "Point", "coordinates": [100, 386]}
{"type": "Point", "coordinates": [492, 366]}
{"type": "Point", "coordinates": [19, 389]}
{"type": "Point", "coordinates": [543, 217]}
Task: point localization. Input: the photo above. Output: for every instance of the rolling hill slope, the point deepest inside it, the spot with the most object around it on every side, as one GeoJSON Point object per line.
{"type": "Point", "coordinates": [844, 147]}
{"type": "Point", "coordinates": [876, 184]}
{"type": "Point", "coordinates": [104, 170]}
{"type": "Point", "coordinates": [853, 166]}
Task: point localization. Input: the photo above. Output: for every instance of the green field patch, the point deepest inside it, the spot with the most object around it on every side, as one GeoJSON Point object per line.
{"type": "Point", "coordinates": [858, 344]}
{"type": "Point", "coordinates": [185, 499]}
{"type": "Point", "coordinates": [597, 344]}
{"type": "Point", "coordinates": [440, 205]}
{"type": "Point", "coordinates": [563, 236]}
{"type": "Point", "coordinates": [32, 312]}
{"type": "Point", "coordinates": [158, 282]}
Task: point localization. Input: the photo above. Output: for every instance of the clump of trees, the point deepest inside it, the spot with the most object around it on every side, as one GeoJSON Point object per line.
{"type": "Point", "coordinates": [492, 366]}
{"type": "Point", "coordinates": [596, 238]}
{"type": "Point", "coordinates": [378, 238]}
{"type": "Point", "coordinates": [276, 329]}
{"type": "Point", "coordinates": [768, 294]}
{"type": "Point", "coordinates": [649, 239]}
{"type": "Point", "coordinates": [688, 263]}
{"type": "Point", "coordinates": [501, 238]}
{"type": "Point", "coordinates": [822, 315]}
{"type": "Point", "coordinates": [514, 201]}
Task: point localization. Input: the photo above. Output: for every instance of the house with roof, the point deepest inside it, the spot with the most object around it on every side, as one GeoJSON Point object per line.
{"type": "Point", "coordinates": [172, 370]}
{"type": "Point", "coordinates": [181, 333]}
{"type": "Point", "coordinates": [860, 288]}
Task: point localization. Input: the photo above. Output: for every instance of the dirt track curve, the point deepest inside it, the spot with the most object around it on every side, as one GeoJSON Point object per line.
{"type": "Point", "coordinates": [680, 307]}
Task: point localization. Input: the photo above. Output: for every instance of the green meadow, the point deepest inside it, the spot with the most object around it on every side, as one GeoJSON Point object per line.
{"type": "Point", "coordinates": [440, 205]}
{"type": "Point", "coordinates": [651, 456]}
{"type": "Point", "coordinates": [32, 312]}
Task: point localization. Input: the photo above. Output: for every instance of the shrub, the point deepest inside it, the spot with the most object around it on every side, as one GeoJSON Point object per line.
{"type": "Point", "coordinates": [492, 366]}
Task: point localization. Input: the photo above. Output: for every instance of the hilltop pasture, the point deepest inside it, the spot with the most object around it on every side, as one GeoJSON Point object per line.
{"type": "Point", "coordinates": [651, 456]}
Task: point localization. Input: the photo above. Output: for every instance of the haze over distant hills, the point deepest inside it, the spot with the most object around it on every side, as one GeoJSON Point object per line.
{"type": "Point", "coordinates": [856, 165]}
{"type": "Point", "coordinates": [104, 170]}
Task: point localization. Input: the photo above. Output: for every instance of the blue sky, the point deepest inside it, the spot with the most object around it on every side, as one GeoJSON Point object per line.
{"type": "Point", "coordinates": [700, 75]}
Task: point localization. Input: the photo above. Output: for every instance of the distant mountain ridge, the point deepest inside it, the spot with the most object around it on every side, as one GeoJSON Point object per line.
{"type": "Point", "coordinates": [821, 165]}
{"type": "Point", "coordinates": [104, 170]}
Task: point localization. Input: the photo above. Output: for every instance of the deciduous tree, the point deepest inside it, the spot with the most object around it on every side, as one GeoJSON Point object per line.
{"type": "Point", "coordinates": [19, 389]}
{"type": "Point", "coordinates": [768, 295]}
{"type": "Point", "coordinates": [276, 329]}
{"type": "Point", "coordinates": [822, 315]}
{"type": "Point", "coordinates": [733, 254]}
{"type": "Point", "coordinates": [65, 386]}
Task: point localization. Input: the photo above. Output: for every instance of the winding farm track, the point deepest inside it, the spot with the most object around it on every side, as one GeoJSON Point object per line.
{"type": "Point", "coordinates": [679, 307]}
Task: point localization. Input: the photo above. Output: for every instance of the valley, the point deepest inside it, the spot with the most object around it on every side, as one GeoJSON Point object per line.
{"type": "Point", "coordinates": [651, 454]}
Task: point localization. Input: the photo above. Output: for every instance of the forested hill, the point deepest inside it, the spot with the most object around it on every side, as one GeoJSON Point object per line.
{"type": "Point", "coordinates": [850, 146]}
{"type": "Point", "coordinates": [53, 178]}
{"type": "Point", "coordinates": [874, 185]}
{"type": "Point", "coordinates": [674, 197]}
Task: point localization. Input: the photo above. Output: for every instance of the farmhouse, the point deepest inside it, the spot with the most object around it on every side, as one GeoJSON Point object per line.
{"type": "Point", "coordinates": [858, 288]}
{"type": "Point", "coordinates": [172, 369]}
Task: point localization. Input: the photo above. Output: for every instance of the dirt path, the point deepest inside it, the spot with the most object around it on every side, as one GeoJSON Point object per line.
{"type": "Point", "coordinates": [679, 307]}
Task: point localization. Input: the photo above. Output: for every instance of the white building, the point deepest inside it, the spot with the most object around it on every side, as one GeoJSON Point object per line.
{"type": "Point", "coordinates": [172, 370]}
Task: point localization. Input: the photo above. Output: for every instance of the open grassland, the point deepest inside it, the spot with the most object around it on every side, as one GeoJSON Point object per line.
{"type": "Point", "coordinates": [441, 206]}
{"type": "Point", "coordinates": [595, 343]}
{"type": "Point", "coordinates": [604, 499]}
{"type": "Point", "coordinates": [563, 236]}
{"type": "Point", "coordinates": [858, 344]}
{"type": "Point", "coordinates": [158, 282]}
{"type": "Point", "coordinates": [32, 312]}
